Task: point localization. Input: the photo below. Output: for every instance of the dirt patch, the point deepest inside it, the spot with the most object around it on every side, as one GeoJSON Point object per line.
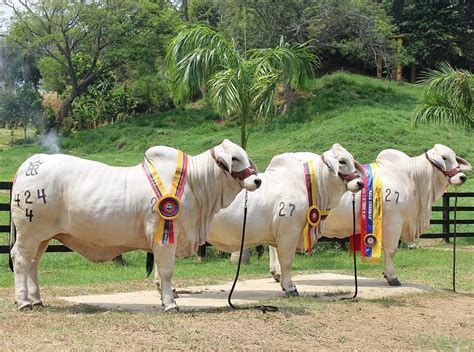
{"type": "Point", "coordinates": [198, 298]}
{"type": "Point", "coordinates": [431, 321]}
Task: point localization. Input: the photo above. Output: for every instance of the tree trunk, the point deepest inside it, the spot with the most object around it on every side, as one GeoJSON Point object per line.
{"type": "Point", "coordinates": [26, 137]}
{"type": "Point", "coordinates": [288, 97]}
{"type": "Point", "coordinates": [184, 9]}
{"type": "Point", "coordinates": [243, 134]}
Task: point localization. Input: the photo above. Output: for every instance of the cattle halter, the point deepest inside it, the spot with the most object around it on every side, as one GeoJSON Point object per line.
{"type": "Point", "coordinates": [346, 177]}
{"type": "Point", "coordinates": [240, 175]}
{"type": "Point", "coordinates": [449, 173]}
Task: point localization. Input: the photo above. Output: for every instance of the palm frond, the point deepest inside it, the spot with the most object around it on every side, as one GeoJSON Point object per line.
{"type": "Point", "coordinates": [225, 92]}
{"type": "Point", "coordinates": [448, 97]}
{"type": "Point", "coordinates": [194, 55]}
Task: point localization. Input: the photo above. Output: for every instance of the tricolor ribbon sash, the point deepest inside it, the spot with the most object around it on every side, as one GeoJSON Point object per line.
{"type": "Point", "coordinates": [168, 205]}
{"type": "Point", "coordinates": [370, 240]}
{"type": "Point", "coordinates": [313, 215]}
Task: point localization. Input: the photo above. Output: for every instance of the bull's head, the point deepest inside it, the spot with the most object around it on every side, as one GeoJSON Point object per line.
{"type": "Point", "coordinates": [235, 161]}
{"type": "Point", "coordinates": [342, 164]}
{"type": "Point", "coordinates": [446, 161]}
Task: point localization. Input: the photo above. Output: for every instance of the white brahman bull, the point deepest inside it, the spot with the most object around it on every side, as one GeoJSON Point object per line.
{"type": "Point", "coordinates": [277, 211]}
{"type": "Point", "coordinates": [101, 211]}
{"type": "Point", "coordinates": [410, 187]}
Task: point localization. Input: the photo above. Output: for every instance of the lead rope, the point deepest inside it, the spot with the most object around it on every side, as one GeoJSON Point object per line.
{"type": "Point", "coordinates": [356, 288]}
{"type": "Point", "coordinates": [454, 240]}
{"type": "Point", "coordinates": [263, 308]}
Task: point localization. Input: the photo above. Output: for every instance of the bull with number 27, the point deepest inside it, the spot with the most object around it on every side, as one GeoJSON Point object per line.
{"type": "Point", "coordinates": [410, 187]}
{"type": "Point", "coordinates": [164, 205]}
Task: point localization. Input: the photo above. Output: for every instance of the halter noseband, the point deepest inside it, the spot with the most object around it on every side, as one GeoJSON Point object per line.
{"type": "Point", "coordinates": [449, 173]}
{"type": "Point", "coordinates": [241, 175]}
{"type": "Point", "coordinates": [345, 177]}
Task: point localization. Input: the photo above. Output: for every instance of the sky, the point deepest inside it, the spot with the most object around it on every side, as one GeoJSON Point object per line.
{"type": "Point", "coordinates": [5, 14]}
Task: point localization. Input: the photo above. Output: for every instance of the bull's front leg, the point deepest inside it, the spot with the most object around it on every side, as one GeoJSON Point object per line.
{"type": "Point", "coordinates": [164, 260]}
{"type": "Point", "coordinates": [391, 236]}
{"type": "Point", "coordinates": [275, 268]}
{"type": "Point", "coordinates": [286, 249]}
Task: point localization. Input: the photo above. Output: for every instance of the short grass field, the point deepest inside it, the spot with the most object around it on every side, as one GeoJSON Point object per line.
{"type": "Point", "coordinates": [363, 114]}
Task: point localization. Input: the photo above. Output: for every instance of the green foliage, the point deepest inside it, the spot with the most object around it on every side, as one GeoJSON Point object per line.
{"type": "Point", "coordinates": [448, 98]}
{"type": "Point", "coordinates": [438, 31]}
{"type": "Point", "coordinates": [239, 85]}
{"type": "Point", "coordinates": [20, 107]}
{"type": "Point", "coordinates": [357, 30]}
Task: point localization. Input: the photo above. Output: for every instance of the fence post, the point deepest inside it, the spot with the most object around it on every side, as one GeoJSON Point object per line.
{"type": "Point", "coordinates": [446, 217]}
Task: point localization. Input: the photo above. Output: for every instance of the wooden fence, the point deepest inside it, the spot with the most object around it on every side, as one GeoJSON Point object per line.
{"type": "Point", "coordinates": [446, 221]}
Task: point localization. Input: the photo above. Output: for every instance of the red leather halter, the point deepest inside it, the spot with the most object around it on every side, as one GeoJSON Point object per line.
{"type": "Point", "coordinates": [241, 175]}
{"type": "Point", "coordinates": [346, 177]}
{"type": "Point", "coordinates": [449, 173]}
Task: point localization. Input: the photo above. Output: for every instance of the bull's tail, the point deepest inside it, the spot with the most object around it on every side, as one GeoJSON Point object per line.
{"type": "Point", "coordinates": [150, 259]}
{"type": "Point", "coordinates": [12, 243]}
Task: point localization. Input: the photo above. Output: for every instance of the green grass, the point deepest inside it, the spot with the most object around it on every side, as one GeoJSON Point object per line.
{"type": "Point", "coordinates": [363, 114]}
{"type": "Point", "coordinates": [424, 266]}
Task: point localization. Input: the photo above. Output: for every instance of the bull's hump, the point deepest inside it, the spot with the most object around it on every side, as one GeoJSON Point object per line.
{"type": "Point", "coordinates": [392, 156]}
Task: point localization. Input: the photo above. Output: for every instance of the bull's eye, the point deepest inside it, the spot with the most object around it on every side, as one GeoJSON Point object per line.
{"type": "Point", "coordinates": [342, 162]}
{"type": "Point", "coordinates": [235, 159]}
{"type": "Point", "coordinates": [444, 158]}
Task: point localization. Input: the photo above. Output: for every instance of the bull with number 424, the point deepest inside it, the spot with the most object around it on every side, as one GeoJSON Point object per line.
{"type": "Point", "coordinates": [165, 205]}
{"type": "Point", "coordinates": [408, 188]}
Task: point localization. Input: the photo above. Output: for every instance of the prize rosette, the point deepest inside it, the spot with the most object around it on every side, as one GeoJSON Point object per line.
{"type": "Point", "coordinates": [370, 240]}
{"type": "Point", "coordinates": [168, 207]}
{"type": "Point", "coordinates": [313, 215]}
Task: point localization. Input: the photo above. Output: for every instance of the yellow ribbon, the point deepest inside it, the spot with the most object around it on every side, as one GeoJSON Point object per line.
{"type": "Point", "coordinates": [309, 227]}
{"type": "Point", "coordinates": [164, 194]}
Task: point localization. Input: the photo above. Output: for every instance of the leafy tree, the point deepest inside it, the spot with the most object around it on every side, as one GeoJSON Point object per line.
{"type": "Point", "coordinates": [439, 31]}
{"type": "Point", "coordinates": [239, 84]}
{"type": "Point", "coordinates": [20, 105]}
{"type": "Point", "coordinates": [356, 30]}
{"type": "Point", "coordinates": [448, 97]}
{"type": "Point", "coordinates": [79, 41]}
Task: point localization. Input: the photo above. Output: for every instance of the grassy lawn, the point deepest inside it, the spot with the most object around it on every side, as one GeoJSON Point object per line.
{"type": "Point", "coordinates": [431, 265]}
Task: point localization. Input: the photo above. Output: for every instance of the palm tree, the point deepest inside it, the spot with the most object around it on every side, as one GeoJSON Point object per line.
{"type": "Point", "coordinates": [448, 97]}
{"type": "Point", "coordinates": [239, 84]}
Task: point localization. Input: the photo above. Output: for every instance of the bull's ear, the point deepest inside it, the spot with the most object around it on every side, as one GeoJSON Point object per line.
{"type": "Point", "coordinates": [463, 164]}
{"type": "Point", "coordinates": [331, 162]}
{"type": "Point", "coordinates": [223, 157]}
{"type": "Point", "coordinates": [436, 159]}
{"type": "Point", "coordinates": [359, 168]}
{"type": "Point", "coordinates": [253, 165]}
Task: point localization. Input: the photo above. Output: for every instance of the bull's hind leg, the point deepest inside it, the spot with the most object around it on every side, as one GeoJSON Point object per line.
{"type": "Point", "coordinates": [390, 244]}
{"type": "Point", "coordinates": [275, 268]}
{"type": "Point", "coordinates": [33, 284]}
{"type": "Point", "coordinates": [22, 256]}
{"type": "Point", "coordinates": [164, 259]}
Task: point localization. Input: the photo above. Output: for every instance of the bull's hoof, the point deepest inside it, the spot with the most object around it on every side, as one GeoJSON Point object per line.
{"type": "Point", "coordinates": [171, 308]}
{"type": "Point", "coordinates": [37, 303]}
{"type": "Point", "coordinates": [394, 282]}
{"type": "Point", "coordinates": [24, 305]}
{"type": "Point", "coordinates": [175, 293]}
{"type": "Point", "coordinates": [292, 293]}
{"type": "Point", "coordinates": [276, 276]}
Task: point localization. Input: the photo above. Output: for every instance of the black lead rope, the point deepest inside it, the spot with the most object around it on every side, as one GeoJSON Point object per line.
{"type": "Point", "coordinates": [263, 308]}
{"type": "Point", "coordinates": [454, 240]}
{"type": "Point", "coordinates": [356, 288]}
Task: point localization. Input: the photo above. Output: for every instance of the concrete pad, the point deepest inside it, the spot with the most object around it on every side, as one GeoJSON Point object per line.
{"type": "Point", "coordinates": [249, 292]}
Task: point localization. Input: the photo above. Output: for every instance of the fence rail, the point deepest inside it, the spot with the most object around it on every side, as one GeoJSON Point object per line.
{"type": "Point", "coordinates": [446, 209]}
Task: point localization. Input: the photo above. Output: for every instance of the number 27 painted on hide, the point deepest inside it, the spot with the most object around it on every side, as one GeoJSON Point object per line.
{"type": "Point", "coordinates": [282, 208]}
